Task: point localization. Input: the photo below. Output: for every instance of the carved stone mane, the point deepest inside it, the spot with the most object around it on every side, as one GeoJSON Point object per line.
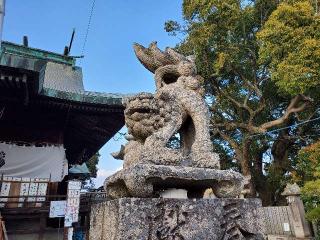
{"type": "Point", "coordinates": [176, 107]}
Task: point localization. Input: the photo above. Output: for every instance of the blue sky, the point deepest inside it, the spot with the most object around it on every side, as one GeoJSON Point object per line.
{"type": "Point", "coordinates": [109, 64]}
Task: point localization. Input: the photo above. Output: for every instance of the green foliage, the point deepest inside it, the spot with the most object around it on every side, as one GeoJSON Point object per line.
{"type": "Point", "coordinates": [311, 199]}
{"type": "Point", "coordinates": [172, 27]}
{"type": "Point", "coordinates": [174, 142]}
{"type": "Point", "coordinates": [314, 214]}
{"type": "Point", "coordinates": [87, 182]}
{"type": "Point", "coordinates": [308, 173]}
{"type": "Point", "coordinates": [308, 164]}
{"type": "Point", "coordinates": [92, 165]}
{"type": "Point", "coordinates": [222, 36]}
{"type": "Point", "coordinates": [291, 44]}
{"type": "Point", "coordinates": [312, 188]}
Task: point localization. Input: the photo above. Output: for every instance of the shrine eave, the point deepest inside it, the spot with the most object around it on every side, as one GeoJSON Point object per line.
{"type": "Point", "coordinates": [46, 74]}
{"type": "Point", "coordinates": [85, 97]}
{"type": "Point", "coordinates": [18, 79]}
{"type": "Point", "coordinates": [50, 87]}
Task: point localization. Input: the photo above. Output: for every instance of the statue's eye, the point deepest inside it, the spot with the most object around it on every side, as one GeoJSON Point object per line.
{"type": "Point", "coordinates": [170, 78]}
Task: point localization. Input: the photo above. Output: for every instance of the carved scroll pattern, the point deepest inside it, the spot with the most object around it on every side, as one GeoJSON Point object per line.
{"type": "Point", "coordinates": [166, 225]}
{"type": "Point", "coordinates": [230, 223]}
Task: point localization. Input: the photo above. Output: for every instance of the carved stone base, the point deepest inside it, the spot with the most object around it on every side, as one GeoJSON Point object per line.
{"type": "Point", "coordinates": [176, 219]}
{"type": "Point", "coordinates": [146, 180]}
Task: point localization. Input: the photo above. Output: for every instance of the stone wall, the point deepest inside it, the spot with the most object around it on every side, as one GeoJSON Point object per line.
{"type": "Point", "coordinates": [180, 219]}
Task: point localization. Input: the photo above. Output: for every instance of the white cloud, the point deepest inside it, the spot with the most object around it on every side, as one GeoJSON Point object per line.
{"type": "Point", "coordinates": [102, 174]}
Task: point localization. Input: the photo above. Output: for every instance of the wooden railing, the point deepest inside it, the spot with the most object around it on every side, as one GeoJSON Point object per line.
{"type": "Point", "coordinates": [40, 210]}
{"type": "Point", "coordinates": [92, 197]}
{"type": "Point", "coordinates": [3, 232]}
{"type": "Point", "coordinates": [29, 201]}
{"type": "Point", "coordinates": [43, 201]}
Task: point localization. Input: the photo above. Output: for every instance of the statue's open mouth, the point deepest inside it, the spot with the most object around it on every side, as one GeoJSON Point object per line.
{"type": "Point", "coordinates": [143, 110]}
{"type": "Point", "coordinates": [142, 105]}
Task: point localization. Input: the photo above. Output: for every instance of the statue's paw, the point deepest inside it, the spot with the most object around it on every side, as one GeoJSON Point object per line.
{"type": "Point", "coordinates": [227, 188]}
{"type": "Point", "coordinates": [161, 156]}
{"type": "Point", "coordinates": [208, 164]}
{"type": "Point", "coordinates": [206, 160]}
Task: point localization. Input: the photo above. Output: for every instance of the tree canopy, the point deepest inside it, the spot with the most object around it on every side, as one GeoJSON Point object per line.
{"type": "Point", "coordinates": [92, 165]}
{"type": "Point", "coordinates": [307, 173]}
{"type": "Point", "coordinates": [291, 43]}
{"type": "Point", "coordinates": [229, 42]}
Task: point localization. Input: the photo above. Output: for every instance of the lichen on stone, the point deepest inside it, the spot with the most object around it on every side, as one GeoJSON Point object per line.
{"type": "Point", "coordinates": [177, 106]}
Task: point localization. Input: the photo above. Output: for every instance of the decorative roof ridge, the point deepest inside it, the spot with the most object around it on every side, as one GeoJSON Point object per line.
{"type": "Point", "coordinates": [86, 96]}
{"type": "Point", "coordinates": [26, 51]}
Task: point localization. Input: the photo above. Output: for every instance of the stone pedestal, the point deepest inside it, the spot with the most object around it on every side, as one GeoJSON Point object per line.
{"type": "Point", "coordinates": [148, 180]}
{"type": "Point", "coordinates": [176, 219]}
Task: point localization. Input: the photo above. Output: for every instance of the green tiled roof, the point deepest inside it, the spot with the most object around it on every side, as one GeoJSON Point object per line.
{"type": "Point", "coordinates": [86, 96]}
{"type": "Point", "coordinates": [58, 76]}
{"type": "Point", "coordinates": [28, 52]}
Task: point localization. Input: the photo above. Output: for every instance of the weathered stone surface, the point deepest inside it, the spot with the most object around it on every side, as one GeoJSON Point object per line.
{"type": "Point", "coordinates": [146, 180]}
{"type": "Point", "coordinates": [150, 166]}
{"type": "Point", "coordinates": [291, 190]}
{"type": "Point", "coordinates": [177, 106]}
{"type": "Point", "coordinates": [177, 219]}
{"type": "Point", "coordinates": [97, 220]}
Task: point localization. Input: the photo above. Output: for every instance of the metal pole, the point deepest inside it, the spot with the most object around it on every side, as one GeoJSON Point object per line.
{"type": "Point", "coordinates": [2, 13]}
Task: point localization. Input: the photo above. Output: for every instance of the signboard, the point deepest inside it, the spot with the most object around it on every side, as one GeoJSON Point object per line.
{"type": "Point", "coordinates": [42, 190]}
{"type": "Point", "coordinates": [23, 187]}
{"type": "Point", "coordinates": [73, 203]}
{"type": "Point", "coordinates": [74, 185]}
{"type": "Point", "coordinates": [5, 190]}
{"type": "Point", "coordinates": [70, 233]}
{"type": "Point", "coordinates": [286, 227]}
{"type": "Point", "coordinates": [24, 190]}
{"type": "Point", "coordinates": [57, 209]}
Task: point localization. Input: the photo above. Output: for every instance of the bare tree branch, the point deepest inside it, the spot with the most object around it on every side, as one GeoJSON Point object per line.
{"type": "Point", "coordinates": [247, 82]}
{"type": "Point", "coordinates": [293, 107]}
{"type": "Point", "coordinates": [298, 104]}
{"type": "Point", "coordinates": [232, 143]}
{"type": "Point", "coordinates": [236, 103]}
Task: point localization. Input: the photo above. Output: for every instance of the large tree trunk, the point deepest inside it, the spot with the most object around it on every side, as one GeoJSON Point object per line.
{"type": "Point", "coordinates": [260, 179]}
{"type": "Point", "coordinates": [269, 192]}
{"type": "Point", "coordinates": [250, 190]}
{"type": "Point", "coordinates": [270, 189]}
{"type": "Point", "coordinates": [280, 165]}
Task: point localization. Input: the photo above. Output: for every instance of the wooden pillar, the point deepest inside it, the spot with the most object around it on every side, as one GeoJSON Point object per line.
{"type": "Point", "coordinates": [87, 225]}
{"type": "Point", "coordinates": [43, 223]}
{"type": "Point", "coordinates": [65, 233]}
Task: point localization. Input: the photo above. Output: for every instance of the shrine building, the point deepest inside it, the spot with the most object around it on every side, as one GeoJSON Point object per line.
{"type": "Point", "coordinates": [48, 123]}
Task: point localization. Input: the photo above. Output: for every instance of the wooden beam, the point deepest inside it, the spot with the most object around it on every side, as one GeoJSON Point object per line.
{"type": "Point", "coordinates": [2, 78]}
{"type": "Point", "coordinates": [26, 89]}
{"type": "Point", "coordinates": [43, 222]}
{"type": "Point", "coordinates": [17, 81]}
{"type": "Point", "coordinates": [10, 81]}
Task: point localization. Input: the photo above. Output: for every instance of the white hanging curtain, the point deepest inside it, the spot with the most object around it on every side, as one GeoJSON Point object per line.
{"type": "Point", "coordinates": [33, 162]}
